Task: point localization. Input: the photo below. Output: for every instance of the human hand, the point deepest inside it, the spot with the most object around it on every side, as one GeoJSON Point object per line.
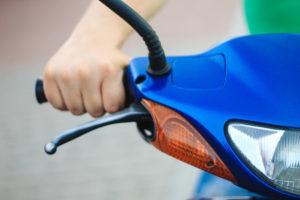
{"type": "Point", "coordinates": [84, 78]}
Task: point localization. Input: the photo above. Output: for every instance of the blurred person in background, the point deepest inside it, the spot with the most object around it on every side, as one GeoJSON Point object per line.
{"type": "Point", "coordinates": [85, 74]}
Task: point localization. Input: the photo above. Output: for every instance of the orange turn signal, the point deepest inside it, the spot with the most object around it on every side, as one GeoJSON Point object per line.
{"type": "Point", "coordinates": [175, 136]}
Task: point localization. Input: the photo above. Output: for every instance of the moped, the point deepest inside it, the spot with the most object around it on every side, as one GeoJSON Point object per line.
{"type": "Point", "coordinates": [233, 111]}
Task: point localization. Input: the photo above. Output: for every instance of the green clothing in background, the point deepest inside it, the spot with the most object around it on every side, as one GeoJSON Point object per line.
{"type": "Point", "coordinates": [273, 16]}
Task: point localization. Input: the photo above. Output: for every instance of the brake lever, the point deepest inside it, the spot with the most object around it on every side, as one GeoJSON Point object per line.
{"type": "Point", "coordinates": [134, 113]}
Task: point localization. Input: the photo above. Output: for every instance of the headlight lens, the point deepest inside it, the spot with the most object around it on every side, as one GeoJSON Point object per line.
{"type": "Point", "coordinates": [273, 153]}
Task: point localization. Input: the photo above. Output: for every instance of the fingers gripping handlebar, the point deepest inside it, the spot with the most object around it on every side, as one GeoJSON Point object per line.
{"type": "Point", "coordinates": [41, 96]}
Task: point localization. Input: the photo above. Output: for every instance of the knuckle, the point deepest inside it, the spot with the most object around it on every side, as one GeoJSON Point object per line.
{"type": "Point", "coordinates": [105, 64]}
{"type": "Point", "coordinates": [106, 68]}
{"type": "Point", "coordinates": [96, 112]}
{"type": "Point", "coordinates": [83, 73]}
{"type": "Point", "coordinates": [58, 104]}
{"type": "Point", "coordinates": [114, 100]}
{"type": "Point", "coordinates": [113, 71]}
{"type": "Point", "coordinates": [65, 75]}
{"type": "Point", "coordinates": [76, 110]}
{"type": "Point", "coordinates": [111, 108]}
{"type": "Point", "coordinates": [48, 73]}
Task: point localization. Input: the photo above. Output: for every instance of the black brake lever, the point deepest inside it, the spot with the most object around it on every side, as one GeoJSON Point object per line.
{"type": "Point", "coordinates": [134, 113]}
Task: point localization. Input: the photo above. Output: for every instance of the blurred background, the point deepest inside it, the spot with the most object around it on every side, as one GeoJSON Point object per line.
{"type": "Point", "coordinates": [111, 163]}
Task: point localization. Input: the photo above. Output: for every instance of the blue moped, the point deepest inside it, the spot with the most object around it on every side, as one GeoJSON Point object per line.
{"type": "Point", "coordinates": [233, 111]}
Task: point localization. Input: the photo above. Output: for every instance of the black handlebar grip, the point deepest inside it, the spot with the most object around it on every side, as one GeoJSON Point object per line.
{"type": "Point", "coordinates": [39, 91]}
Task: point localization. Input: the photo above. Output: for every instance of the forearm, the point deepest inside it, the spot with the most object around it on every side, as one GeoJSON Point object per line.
{"type": "Point", "coordinates": [101, 26]}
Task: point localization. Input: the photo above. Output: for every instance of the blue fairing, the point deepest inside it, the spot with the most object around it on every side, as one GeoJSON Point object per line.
{"type": "Point", "coordinates": [253, 78]}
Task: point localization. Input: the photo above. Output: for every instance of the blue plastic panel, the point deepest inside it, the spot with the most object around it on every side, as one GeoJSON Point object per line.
{"type": "Point", "coordinates": [198, 68]}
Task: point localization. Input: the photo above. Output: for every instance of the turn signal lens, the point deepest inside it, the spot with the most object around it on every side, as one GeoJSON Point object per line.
{"type": "Point", "coordinates": [178, 138]}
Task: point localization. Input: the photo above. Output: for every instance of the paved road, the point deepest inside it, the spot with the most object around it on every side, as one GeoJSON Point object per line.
{"type": "Point", "coordinates": [111, 163]}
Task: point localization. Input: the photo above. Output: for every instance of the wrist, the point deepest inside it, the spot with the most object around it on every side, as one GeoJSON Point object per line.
{"type": "Point", "coordinates": [96, 37]}
{"type": "Point", "coordinates": [100, 26]}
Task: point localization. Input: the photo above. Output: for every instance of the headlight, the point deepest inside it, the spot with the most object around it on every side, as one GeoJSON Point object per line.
{"type": "Point", "coordinates": [273, 153]}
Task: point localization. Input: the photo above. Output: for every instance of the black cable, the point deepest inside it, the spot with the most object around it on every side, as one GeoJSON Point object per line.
{"type": "Point", "coordinates": [157, 58]}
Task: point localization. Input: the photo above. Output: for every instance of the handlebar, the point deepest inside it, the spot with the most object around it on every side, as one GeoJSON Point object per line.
{"type": "Point", "coordinates": [39, 91]}
{"type": "Point", "coordinates": [41, 97]}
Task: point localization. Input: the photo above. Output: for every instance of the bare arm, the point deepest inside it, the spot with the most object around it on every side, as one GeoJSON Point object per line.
{"type": "Point", "coordinates": [85, 74]}
{"type": "Point", "coordinates": [102, 25]}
